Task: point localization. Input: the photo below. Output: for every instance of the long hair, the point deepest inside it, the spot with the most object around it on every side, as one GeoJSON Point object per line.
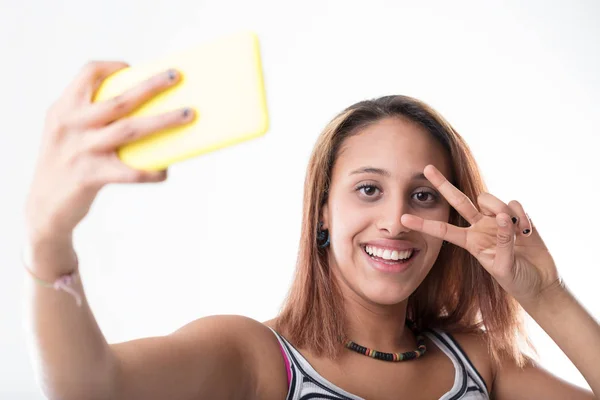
{"type": "Point", "coordinates": [458, 294]}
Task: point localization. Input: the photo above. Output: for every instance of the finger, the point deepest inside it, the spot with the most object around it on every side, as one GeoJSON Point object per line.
{"type": "Point", "coordinates": [491, 205]}
{"type": "Point", "coordinates": [129, 130]}
{"type": "Point", "coordinates": [114, 171]}
{"type": "Point", "coordinates": [107, 111]}
{"type": "Point", "coordinates": [89, 76]}
{"type": "Point", "coordinates": [135, 176]}
{"type": "Point", "coordinates": [525, 226]}
{"type": "Point", "coordinates": [505, 245]}
{"type": "Point", "coordinates": [438, 229]}
{"type": "Point", "coordinates": [455, 197]}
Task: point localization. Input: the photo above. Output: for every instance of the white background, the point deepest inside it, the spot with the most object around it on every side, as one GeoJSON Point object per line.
{"type": "Point", "coordinates": [518, 80]}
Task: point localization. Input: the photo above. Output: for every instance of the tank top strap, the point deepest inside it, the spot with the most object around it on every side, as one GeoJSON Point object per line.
{"type": "Point", "coordinates": [466, 371]}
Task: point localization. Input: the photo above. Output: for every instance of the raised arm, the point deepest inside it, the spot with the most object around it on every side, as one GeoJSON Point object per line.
{"type": "Point", "coordinates": [71, 357]}
{"type": "Point", "coordinates": [576, 332]}
{"type": "Point", "coordinates": [507, 244]}
{"type": "Point", "coordinates": [206, 359]}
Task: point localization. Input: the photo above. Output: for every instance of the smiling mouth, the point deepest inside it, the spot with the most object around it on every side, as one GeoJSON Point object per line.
{"type": "Point", "coordinates": [391, 257]}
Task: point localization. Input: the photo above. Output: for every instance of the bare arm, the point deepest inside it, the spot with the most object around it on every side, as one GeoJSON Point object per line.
{"type": "Point", "coordinates": [520, 262]}
{"type": "Point", "coordinates": [576, 332]}
{"type": "Point", "coordinates": [71, 357]}
{"type": "Point", "coordinates": [211, 358]}
{"type": "Point", "coordinates": [534, 382]}
{"type": "Point", "coordinates": [205, 359]}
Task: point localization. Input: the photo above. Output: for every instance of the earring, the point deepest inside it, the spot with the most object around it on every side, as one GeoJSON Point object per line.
{"type": "Point", "coordinates": [322, 236]}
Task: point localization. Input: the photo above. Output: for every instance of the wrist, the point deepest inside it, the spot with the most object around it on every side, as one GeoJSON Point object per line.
{"type": "Point", "coordinates": [43, 224]}
{"type": "Point", "coordinates": [552, 299]}
{"type": "Point", "coordinates": [39, 232]}
{"type": "Point", "coordinates": [49, 257]}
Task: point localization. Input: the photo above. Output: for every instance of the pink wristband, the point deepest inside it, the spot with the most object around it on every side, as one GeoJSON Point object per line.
{"type": "Point", "coordinates": [63, 282]}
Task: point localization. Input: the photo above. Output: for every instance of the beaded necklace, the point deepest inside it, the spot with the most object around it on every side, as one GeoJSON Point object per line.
{"type": "Point", "coordinates": [394, 357]}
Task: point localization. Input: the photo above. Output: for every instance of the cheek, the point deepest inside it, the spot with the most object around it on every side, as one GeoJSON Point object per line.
{"type": "Point", "coordinates": [347, 222]}
{"type": "Point", "coordinates": [434, 246]}
{"type": "Point", "coordinates": [433, 250]}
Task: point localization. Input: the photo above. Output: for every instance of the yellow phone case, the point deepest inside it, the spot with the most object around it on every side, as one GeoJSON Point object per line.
{"type": "Point", "coordinates": [221, 80]}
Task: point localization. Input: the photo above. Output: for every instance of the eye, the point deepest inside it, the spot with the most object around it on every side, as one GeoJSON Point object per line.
{"type": "Point", "coordinates": [427, 197]}
{"type": "Point", "coordinates": [368, 190]}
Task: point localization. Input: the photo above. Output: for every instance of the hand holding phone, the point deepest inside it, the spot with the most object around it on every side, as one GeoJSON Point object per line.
{"type": "Point", "coordinates": [221, 80]}
{"type": "Point", "coordinates": [77, 155]}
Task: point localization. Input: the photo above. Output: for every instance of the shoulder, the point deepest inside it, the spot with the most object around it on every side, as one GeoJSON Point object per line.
{"type": "Point", "coordinates": [233, 328]}
{"type": "Point", "coordinates": [258, 345]}
{"type": "Point", "coordinates": [475, 347]}
{"type": "Point", "coordinates": [507, 380]}
{"type": "Point", "coordinates": [234, 331]}
{"type": "Point", "coordinates": [200, 360]}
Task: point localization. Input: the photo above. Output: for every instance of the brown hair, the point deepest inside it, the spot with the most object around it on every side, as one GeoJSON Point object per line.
{"type": "Point", "coordinates": [457, 295]}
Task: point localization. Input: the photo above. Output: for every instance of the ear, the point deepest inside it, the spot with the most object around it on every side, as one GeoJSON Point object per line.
{"type": "Point", "coordinates": [324, 217]}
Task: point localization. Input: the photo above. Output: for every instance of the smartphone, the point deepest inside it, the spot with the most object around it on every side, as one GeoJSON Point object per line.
{"type": "Point", "coordinates": [221, 80]}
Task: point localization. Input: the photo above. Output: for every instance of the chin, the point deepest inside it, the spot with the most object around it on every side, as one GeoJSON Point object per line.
{"type": "Point", "coordinates": [386, 292]}
{"type": "Point", "coordinates": [380, 283]}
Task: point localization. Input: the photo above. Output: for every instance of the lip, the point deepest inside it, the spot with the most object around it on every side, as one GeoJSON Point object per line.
{"type": "Point", "coordinates": [389, 244]}
{"type": "Point", "coordinates": [389, 267]}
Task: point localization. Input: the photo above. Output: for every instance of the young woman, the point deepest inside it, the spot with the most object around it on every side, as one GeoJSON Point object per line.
{"type": "Point", "coordinates": [409, 284]}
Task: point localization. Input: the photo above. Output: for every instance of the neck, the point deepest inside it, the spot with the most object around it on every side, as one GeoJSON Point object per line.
{"type": "Point", "coordinates": [379, 327]}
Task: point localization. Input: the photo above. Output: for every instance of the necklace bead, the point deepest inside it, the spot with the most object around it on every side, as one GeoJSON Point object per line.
{"type": "Point", "coordinates": [394, 357]}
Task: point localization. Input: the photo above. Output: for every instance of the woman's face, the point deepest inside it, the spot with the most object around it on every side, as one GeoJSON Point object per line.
{"type": "Point", "coordinates": [377, 177]}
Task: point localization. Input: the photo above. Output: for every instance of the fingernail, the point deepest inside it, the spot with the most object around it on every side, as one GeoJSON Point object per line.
{"type": "Point", "coordinates": [502, 223]}
{"type": "Point", "coordinates": [515, 220]}
{"type": "Point", "coordinates": [172, 74]}
{"type": "Point", "coordinates": [186, 112]}
{"type": "Point", "coordinates": [526, 231]}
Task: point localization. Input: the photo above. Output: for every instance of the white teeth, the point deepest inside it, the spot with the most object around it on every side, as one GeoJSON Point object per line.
{"type": "Point", "coordinates": [405, 254]}
{"type": "Point", "coordinates": [387, 254]}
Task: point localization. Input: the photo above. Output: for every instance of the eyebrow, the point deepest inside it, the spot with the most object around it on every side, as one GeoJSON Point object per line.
{"type": "Point", "coordinates": [384, 172]}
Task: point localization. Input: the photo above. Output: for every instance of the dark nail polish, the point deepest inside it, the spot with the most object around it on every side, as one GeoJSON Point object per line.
{"type": "Point", "coordinates": [515, 220]}
{"type": "Point", "coordinates": [172, 74]}
{"type": "Point", "coordinates": [526, 231]}
{"type": "Point", "coordinates": [186, 112]}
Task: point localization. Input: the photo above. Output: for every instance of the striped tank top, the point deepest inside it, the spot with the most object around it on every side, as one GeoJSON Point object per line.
{"type": "Point", "coordinates": [305, 383]}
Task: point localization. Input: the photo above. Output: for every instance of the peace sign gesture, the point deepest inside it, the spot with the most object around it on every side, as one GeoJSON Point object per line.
{"type": "Point", "coordinates": [501, 237]}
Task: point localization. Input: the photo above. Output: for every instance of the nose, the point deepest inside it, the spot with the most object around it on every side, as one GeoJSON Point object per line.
{"type": "Point", "coordinates": [389, 218]}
